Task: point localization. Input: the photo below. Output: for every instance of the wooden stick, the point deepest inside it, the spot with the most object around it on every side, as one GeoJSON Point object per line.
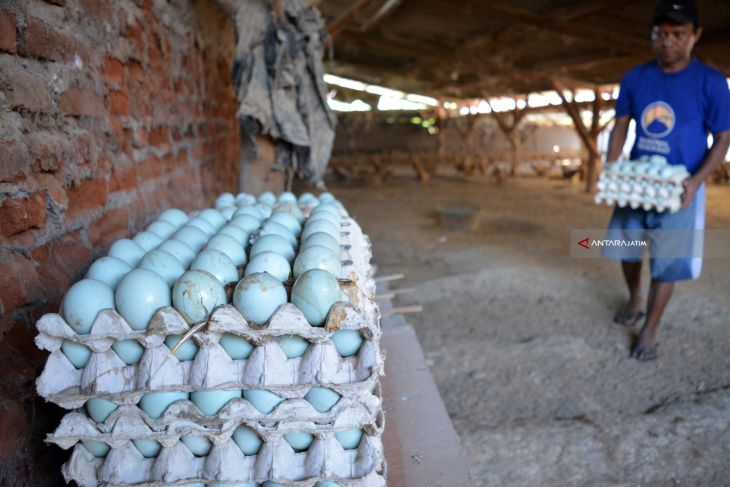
{"type": "Point", "coordinates": [392, 277]}
{"type": "Point", "coordinates": [402, 310]}
{"type": "Point", "coordinates": [394, 292]}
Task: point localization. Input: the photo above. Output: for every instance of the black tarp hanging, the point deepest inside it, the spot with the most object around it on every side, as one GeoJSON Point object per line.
{"type": "Point", "coordinates": [277, 74]}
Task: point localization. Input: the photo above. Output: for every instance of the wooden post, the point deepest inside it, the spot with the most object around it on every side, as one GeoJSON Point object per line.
{"type": "Point", "coordinates": [255, 174]}
{"type": "Point", "coordinates": [509, 130]}
{"type": "Point", "coordinates": [589, 136]}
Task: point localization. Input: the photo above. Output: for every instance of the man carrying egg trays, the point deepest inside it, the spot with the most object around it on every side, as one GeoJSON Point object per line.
{"type": "Point", "coordinates": [127, 336]}
{"type": "Point", "coordinates": [649, 183]}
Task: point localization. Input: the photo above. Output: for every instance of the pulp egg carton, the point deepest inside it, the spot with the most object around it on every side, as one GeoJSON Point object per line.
{"type": "Point", "coordinates": [182, 418]}
{"type": "Point", "coordinates": [277, 461]}
{"type": "Point", "coordinates": [212, 368]}
{"type": "Point", "coordinates": [651, 184]}
{"type": "Point", "coordinates": [124, 464]}
{"type": "Point", "coordinates": [357, 251]}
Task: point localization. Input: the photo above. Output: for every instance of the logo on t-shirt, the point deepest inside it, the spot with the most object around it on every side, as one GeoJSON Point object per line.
{"type": "Point", "coordinates": [658, 120]}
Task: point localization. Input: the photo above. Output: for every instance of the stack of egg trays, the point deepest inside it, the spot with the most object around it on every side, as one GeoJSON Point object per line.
{"type": "Point", "coordinates": [651, 184]}
{"type": "Point", "coordinates": [356, 379]}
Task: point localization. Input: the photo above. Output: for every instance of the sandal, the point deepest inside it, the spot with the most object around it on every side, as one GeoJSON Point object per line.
{"type": "Point", "coordinates": [627, 319]}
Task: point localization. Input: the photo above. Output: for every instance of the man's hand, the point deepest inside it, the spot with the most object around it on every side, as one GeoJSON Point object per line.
{"type": "Point", "coordinates": [690, 188]}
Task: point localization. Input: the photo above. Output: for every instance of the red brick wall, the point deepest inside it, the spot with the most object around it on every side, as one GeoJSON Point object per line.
{"type": "Point", "coordinates": [109, 112]}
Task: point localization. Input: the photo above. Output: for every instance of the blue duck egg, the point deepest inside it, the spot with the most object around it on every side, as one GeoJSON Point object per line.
{"type": "Point", "coordinates": [162, 229]}
{"type": "Point", "coordinates": [322, 398]}
{"type": "Point", "coordinates": [314, 293]}
{"type": "Point", "coordinates": [180, 250]}
{"type": "Point", "coordinates": [76, 353]}
{"type": "Point", "coordinates": [191, 236]}
{"type": "Point", "coordinates": [237, 347]}
{"type": "Point", "coordinates": [270, 262]}
{"type": "Point", "coordinates": [325, 240]}
{"type": "Point", "coordinates": [83, 302]}
{"type": "Point", "coordinates": [293, 346]}
{"type": "Point", "coordinates": [108, 270]}
{"type": "Point", "coordinates": [99, 409]}
{"type": "Point", "coordinates": [196, 294]}
{"type": "Point", "coordinates": [130, 351]}
{"type": "Point", "coordinates": [347, 342]}
{"type": "Point", "coordinates": [174, 216]}
{"type": "Point", "coordinates": [349, 439]}
{"type": "Point", "coordinates": [187, 350]}
{"type": "Point", "coordinates": [139, 295]}
{"type": "Point", "coordinates": [273, 243]}
{"type": "Point", "coordinates": [214, 217]}
{"type": "Point", "coordinates": [258, 296]}
{"type": "Point", "coordinates": [148, 448]}
{"type": "Point", "coordinates": [247, 440]}
{"type": "Point", "coordinates": [147, 240]}
{"type": "Point", "coordinates": [210, 402]}
{"type": "Point", "coordinates": [202, 224]}
{"type": "Point", "coordinates": [164, 264]}
{"type": "Point", "coordinates": [299, 440]}
{"type": "Point", "coordinates": [262, 400]}
{"type": "Point", "coordinates": [218, 264]}
{"type": "Point", "coordinates": [127, 250]}
{"type": "Point", "coordinates": [97, 448]}
{"type": "Point", "coordinates": [199, 445]}
{"type": "Point", "coordinates": [154, 404]}
{"type": "Point", "coordinates": [229, 246]}
{"type": "Point", "coordinates": [316, 257]}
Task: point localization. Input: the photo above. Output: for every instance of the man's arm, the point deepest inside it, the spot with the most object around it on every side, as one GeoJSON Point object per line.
{"type": "Point", "coordinates": [618, 138]}
{"type": "Point", "coordinates": [716, 156]}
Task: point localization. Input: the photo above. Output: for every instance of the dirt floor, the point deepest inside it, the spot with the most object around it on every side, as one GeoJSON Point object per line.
{"type": "Point", "coordinates": [519, 337]}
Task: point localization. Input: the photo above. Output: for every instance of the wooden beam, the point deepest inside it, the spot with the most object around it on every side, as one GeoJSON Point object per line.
{"type": "Point", "coordinates": [576, 30]}
{"type": "Point", "coordinates": [348, 17]}
{"type": "Point", "coordinates": [584, 9]}
{"type": "Point", "coordinates": [388, 8]}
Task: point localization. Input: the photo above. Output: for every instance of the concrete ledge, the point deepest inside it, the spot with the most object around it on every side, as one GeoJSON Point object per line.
{"type": "Point", "coordinates": [421, 446]}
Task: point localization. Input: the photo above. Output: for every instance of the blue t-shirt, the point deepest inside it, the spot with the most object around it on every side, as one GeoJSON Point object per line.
{"type": "Point", "coordinates": [674, 112]}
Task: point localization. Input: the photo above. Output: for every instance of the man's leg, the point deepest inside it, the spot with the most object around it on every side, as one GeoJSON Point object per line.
{"type": "Point", "coordinates": [659, 294]}
{"type": "Point", "coordinates": [632, 275]}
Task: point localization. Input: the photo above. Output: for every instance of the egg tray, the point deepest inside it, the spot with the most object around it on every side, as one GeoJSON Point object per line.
{"type": "Point", "coordinates": [358, 250]}
{"type": "Point", "coordinates": [226, 463]}
{"type": "Point", "coordinates": [183, 417]}
{"type": "Point", "coordinates": [659, 189]}
{"type": "Point", "coordinates": [106, 374]}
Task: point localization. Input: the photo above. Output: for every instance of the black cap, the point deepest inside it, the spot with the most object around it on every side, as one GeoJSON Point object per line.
{"type": "Point", "coordinates": [679, 11]}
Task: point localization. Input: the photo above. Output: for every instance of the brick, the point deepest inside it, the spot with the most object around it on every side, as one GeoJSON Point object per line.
{"type": "Point", "coordinates": [87, 147]}
{"type": "Point", "coordinates": [118, 103]}
{"type": "Point", "coordinates": [20, 214]}
{"type": "Point", "coordinates": [18, 282]}
{"type": "Point", "coordinates": [8, 36]}
{"type": "Point", "coordinates": [14, 425]}
{"type": "Point", "coordinates": [159, 136]}
{"type": "Point", "coordinates": [15, 161]}
{"type": "Point", "coordinates": [54, 190]}
{"type": "Point", "coordinates": [79, 102]}
{"type": "Point", "coordinates": [123, 177]}
{"type": "Point", "coordinates": [43, 41]}
{"type": "Point", "coordinates": [148, 169]}
{"type": "Point", "coordinates": [48, 150]}
{"type": "Point", "coordinates": [60, 263]}
{"type": "Point", "coordinates": [99, 10]}
{"type": "Point", "coordinates": [26, 90]}
{"type": "Point", "coordinates": [133, 34]}
{"type": "Point", "coordinates": [89, 196]}
{"type": "Point", "coordinates": [110, 226]}
{"type": "Point", "coordinates": [112, 73]}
